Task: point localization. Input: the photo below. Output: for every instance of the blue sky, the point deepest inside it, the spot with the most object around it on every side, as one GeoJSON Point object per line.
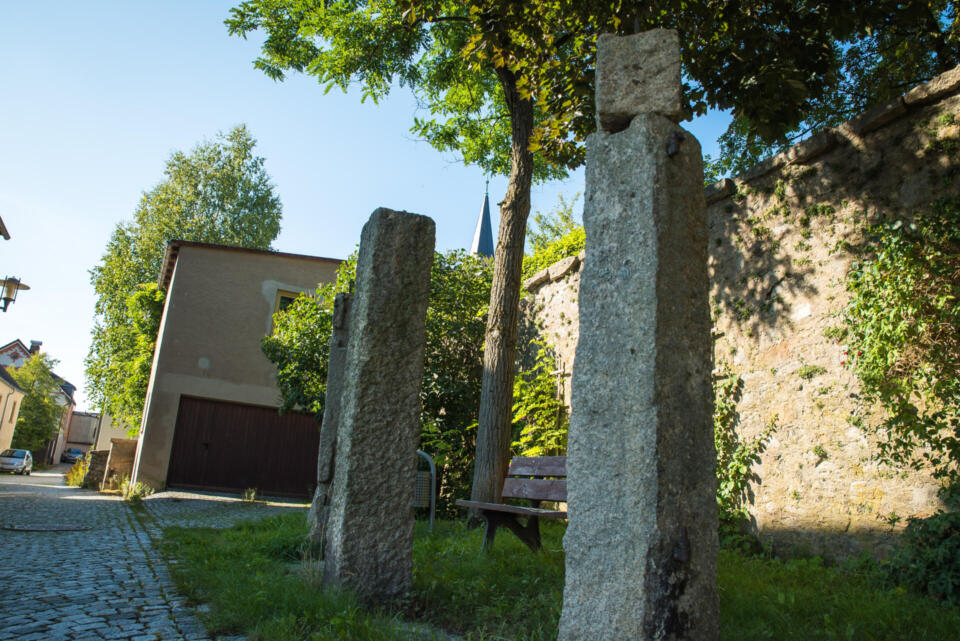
{"type": "Point", "coordinates": [95, 96]}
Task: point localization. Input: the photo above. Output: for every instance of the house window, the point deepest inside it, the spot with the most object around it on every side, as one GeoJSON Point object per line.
{"type": "Point", "coordinates": [284, 299]}
{"type": "Point", "coordinates": [13, 411]}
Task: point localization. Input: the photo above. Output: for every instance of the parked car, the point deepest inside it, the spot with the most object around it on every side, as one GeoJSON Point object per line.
{"type": "Point", "coordinates": [71, 455]}
{"type": "Point", "coordinates": [17, 461]}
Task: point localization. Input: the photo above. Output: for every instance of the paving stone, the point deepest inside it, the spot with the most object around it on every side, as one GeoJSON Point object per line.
{"type": "Point", "coordinates": [107, 582]}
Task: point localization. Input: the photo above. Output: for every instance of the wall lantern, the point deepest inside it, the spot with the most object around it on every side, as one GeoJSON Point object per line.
{"type": "Point", "coordinates": [11, 285]}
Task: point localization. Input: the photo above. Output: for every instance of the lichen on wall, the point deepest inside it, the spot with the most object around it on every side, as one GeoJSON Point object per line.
{"type": "Point", "coordinates": [782, 238]}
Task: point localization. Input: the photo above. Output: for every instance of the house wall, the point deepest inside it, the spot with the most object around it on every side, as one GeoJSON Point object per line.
{"type": "Point", "coordinates": [83, 430]}
{"type": "Point", "coordinates": [219, 306]}
{"type": "Point", "coordinates": [10, 400]}
{"type": "Point", "coordinates": [782, 238]}
{"type": "Point", "coordinates": [108, 430]}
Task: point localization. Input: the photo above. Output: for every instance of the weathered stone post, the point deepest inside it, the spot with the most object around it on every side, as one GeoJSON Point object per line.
{"type": "Point", "coordinates": [370, 525]}
{"type": "Point", "coordinates": [641, 545]}
{"type": "Point", "coordinates": [339, 338]}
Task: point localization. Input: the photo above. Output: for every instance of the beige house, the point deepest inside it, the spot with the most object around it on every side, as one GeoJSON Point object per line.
{"type": "Point", "coordinates": [83, 430]}
{"type": "Point", "coordinates": [14, 354]}
{"type": "Point", "coordinates": [108, 429]}
{"type": "Point", "coordinates": [11, 395]}
{"type": "Point", "coordinates": [210, 420]}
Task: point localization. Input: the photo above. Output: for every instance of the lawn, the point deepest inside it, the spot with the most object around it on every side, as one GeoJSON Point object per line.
{"type": "Point", "coordinates": [255, 581]}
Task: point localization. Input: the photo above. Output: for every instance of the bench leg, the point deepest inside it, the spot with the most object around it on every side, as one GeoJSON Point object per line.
{"type": "Point", "coordinates": [529, 533]}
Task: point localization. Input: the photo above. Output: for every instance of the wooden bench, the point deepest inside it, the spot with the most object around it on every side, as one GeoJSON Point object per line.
{"type": "Point", "coordinates": [539, 478]}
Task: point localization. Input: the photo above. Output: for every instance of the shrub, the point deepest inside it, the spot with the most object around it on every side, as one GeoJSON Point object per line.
{"type": "Point", "coordinates": [134, 492]}
{"type": "Point", "coordinates": [735, 456]}
{"type": "Point", "coordinates": [903, 332]}
{"type": "Point", "coordinates": [927, 558]}
{"type": "Point", "coordinates": [74, 477]}
{"type": "Point", "coordinates": [540, 421]}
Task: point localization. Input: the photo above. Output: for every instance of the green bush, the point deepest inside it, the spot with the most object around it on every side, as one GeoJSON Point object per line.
{"type": "Point", "coordinates": [903, 338]}
{"type": "Point", "coordinates": [74, 477]}
{"type": "Point", "coordinates": [927, 558]}
{"type": "Point", "coordinates": [540, 421]}
{"type": "Point", "coordinates": [553, 236]}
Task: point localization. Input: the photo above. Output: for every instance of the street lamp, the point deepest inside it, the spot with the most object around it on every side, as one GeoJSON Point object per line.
{"type": "Point", "coordinates": [11, 285]}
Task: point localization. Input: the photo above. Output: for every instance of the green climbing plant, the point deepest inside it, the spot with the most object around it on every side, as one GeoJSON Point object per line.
{"type": "Point", "coordinates": [540, 419]}
{"type": "Point", "coordinates": [736, 456]}
{"type": "Point", "coordinates": [903, 338]}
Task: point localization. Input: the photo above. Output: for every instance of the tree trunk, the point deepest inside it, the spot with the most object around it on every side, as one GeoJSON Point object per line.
{"type": "Point", "coordinates": [500, 349]}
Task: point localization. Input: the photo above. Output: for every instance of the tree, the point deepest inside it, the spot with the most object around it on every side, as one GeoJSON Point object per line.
{"type": "Point", "coordinates": [905, 46]}
{"type": "Point", "coordinates": [509, 85]}
{"type": "Point", "coordinates": [40, 414]}
{"type": "Point", "coordinates": [218, 193]}
{"type": "Point", "coordinates": [450, 391]}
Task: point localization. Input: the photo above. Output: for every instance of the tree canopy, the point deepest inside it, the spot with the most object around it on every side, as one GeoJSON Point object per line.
{"type": "Point", "coordinates": [897, 47]}
{"type": "Point", "coordinates": [40, 414]}
{"type": "Point", "coordinates": [450, 390]}
{"type": "Point", "coordinates": [509, 86]}
{"type": "Point", "coordinates": [218, 193]}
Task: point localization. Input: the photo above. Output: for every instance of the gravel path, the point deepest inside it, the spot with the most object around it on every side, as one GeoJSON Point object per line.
{"type": "Point", "coordinates": [102, 579]}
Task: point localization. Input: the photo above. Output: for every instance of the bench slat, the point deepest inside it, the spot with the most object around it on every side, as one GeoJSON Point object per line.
{"type": "Point", "coordinates": [538, 466]}
{"type": "Point", "coordinates": [535, 489]}
{"type": "Point", "coordinates": [512, 509]}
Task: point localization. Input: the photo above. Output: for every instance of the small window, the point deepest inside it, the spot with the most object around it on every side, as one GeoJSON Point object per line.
{"type": "Point", "coordinates": [13, 411]}
{"type": "Point", "coordinates": [284, 299]}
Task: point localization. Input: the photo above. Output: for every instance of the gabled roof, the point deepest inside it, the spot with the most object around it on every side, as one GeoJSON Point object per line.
{"type": "Point", "coordinates": [66, 387]}
{"type": "Point", "coordinates": [16, 343]}
{"type": "Point", "coordinates": [173, 250]}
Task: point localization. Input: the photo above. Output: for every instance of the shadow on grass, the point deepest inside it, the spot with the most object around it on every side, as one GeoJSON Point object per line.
{"type": "Point", "coordinates": [255, 582]}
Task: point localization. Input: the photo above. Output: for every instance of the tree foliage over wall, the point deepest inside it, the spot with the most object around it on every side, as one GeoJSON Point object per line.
{"type": "Point", "coordinates": [218, 193]}
{"type": "Point", "coordinates": [509, 86]}
{"type": "Point", "coordinates": [453, 360]}
{"type": "Point", "coordinates": [552, 236]}
{"type": "Point", "coordinates": [903, 338]}
{"type": "Point", "coordinates": [40, 414]}
{"type": "Point", "coordinates": [905, 44]}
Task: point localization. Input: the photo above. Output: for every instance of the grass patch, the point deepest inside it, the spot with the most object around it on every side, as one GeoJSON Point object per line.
{"type": "Point", "coordinates": [256, 584]}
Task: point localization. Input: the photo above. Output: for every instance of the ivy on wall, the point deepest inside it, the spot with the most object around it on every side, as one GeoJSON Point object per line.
{"type": "Point", "coordinates": [903, 338]}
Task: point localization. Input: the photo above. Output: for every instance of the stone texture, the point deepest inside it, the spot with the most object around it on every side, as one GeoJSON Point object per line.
{"type": "Point", "coordinates": [635, 75]}
{"type": "Point", "coordinates": [339, 339]}
{"type": "Point", "coordinates": [542, 276]}
{"type": "Point", "coordinates": [719, 190]}
{"type": "Point", "coordinates": [563, 267]}
{"type": "Point", "coordinates": [815, 145]}
{"type": "Point", "coordinates": [874, 118]}
{"type": "Point", "coordinates": [370, 526]}
{"type": "Point", "coordinates": [119, 463]}
{"type": "Point", "coordinates": [97, 469]}
{"type": "Point", "coordinates": [773, 300]}
{"type": "Point", "coordinates": [943, 85]}
{"type": "Point", "coordinates": [641, 545]}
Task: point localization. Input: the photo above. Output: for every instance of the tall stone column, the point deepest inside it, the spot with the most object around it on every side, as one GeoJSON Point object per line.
{"type": "Point", "coordinates": [370, 525]}
{"type": "Point", "coordinates": [339, 339]}
{"type": "Point", "coordinates": [641, 545]}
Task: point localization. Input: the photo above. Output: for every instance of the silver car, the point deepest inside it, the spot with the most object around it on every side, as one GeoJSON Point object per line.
{"type": "Point", "coordinates": [18, 461]}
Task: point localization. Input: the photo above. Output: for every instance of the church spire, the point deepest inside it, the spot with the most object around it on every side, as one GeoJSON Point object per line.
{"type": "Point", "coordinates": [483, 237]}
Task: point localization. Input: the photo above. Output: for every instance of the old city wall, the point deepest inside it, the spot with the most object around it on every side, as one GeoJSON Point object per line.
{"type": "Point", "coordinates": [782, 238]}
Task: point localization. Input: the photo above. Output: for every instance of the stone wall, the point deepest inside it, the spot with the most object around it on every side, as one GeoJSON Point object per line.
{"type": "Point", "coordinates": [98, 466]}
{"type": "Point", "coordinates": [782, 237]}
{"type": "Point", "coordinates": [119, 464]}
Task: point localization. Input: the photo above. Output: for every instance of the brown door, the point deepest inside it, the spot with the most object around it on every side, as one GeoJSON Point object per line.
{"type": "Point", "coordinates": [229, 446]}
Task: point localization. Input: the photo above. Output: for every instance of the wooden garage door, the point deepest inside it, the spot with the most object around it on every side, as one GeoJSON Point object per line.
{"type": "Point", "coordinates": [229, 446]}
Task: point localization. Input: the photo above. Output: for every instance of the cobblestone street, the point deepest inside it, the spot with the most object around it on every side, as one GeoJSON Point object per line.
{"type": "Point", "coordinates": [104, 581]}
